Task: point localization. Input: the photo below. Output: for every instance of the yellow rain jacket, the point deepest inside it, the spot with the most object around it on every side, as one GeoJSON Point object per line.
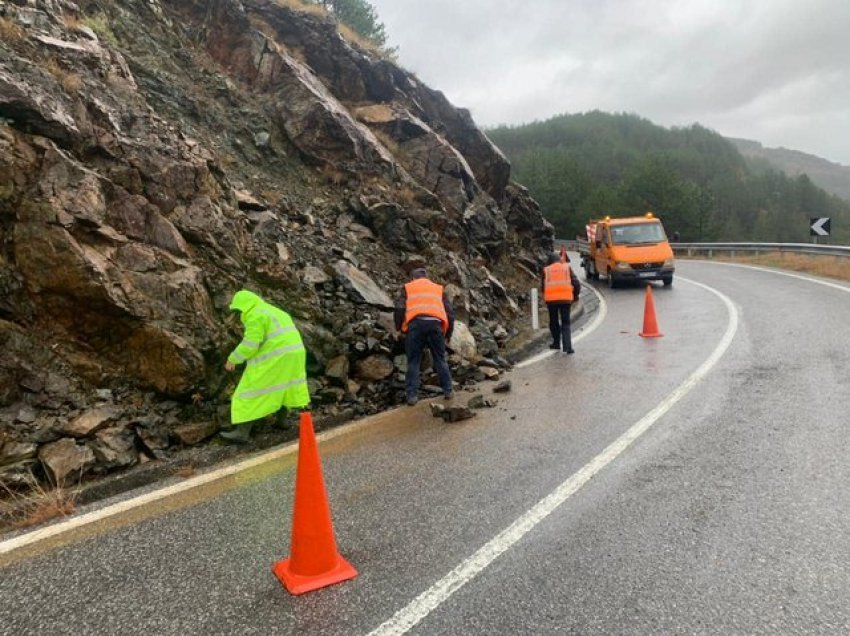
{"type": "Point", "coordinates": [275, 361]}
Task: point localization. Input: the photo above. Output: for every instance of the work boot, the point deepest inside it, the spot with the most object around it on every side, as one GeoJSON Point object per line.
{"type": "Point", "coordinates": [555, 345]}
{"type": "Point", "coordinates": [412, 400]}
{"type": "Point", "coordinates": [240, 434]}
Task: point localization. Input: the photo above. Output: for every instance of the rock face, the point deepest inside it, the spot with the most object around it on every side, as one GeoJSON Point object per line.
{"type": "Point", "coordinates": [157, 156]}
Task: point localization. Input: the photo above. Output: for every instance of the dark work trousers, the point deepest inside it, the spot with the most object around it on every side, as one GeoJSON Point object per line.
{"type": "Point", "coordinates": [560, 329]}
{"type": "Point", "coordinates": [420, 334]}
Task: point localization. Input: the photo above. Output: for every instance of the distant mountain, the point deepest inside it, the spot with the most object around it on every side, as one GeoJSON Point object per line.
{"type": "Point", "coordinates": [832, 177]}
{"type": "Point", "coordinates": [585, 164]}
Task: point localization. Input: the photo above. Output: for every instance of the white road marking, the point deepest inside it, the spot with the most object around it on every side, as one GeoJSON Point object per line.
{"type": "Point", "coordinates": [95, 516]}
{"type": "Point", "coordinates": [15, 543]}
{"type": "Point", "coordinates": [769, 270]}
{"type": "Point", "coordinates": [600, 316]}
{"type": "Point", "coordinates": [409, 616]}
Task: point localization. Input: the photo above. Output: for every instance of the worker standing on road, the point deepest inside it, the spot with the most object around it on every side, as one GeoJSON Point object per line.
{"type": "Point", "coordinates": [425, 315]}
{"type": "Point", "coordinates": [560, 288]}
{"type": "Point", "coordinates": [275, 364]}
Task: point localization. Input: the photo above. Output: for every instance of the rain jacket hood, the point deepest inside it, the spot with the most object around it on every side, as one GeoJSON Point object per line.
{"type": "Point", "coordinates": [244, 301]}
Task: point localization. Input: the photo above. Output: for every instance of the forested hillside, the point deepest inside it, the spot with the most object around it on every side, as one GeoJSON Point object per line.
{"type": "Point", "coordinates": [591, 164]}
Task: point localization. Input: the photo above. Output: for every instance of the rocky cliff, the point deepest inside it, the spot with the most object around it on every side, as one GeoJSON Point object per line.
{"type": "Point", "coordinates": [157, 155]}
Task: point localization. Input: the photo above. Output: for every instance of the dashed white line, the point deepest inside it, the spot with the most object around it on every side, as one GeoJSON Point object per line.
{"type": "Point", "coordinates": [409, 616]}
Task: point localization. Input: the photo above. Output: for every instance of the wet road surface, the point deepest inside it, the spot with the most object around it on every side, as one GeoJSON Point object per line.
{"type": "Point", "coordinates": [728, 513]}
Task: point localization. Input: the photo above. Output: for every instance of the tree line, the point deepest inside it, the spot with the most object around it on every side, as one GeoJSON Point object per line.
{"type": "Point", "coordinates": [360, 16]}
{"type": "Point", "coordinates": [593, 164]}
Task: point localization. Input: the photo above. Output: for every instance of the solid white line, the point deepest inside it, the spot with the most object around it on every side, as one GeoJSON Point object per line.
{"type": "Point", "coordinates": [73, 523]}
{"type": "Point", "coordinates": [409, 616]}
{"type": "Point", "coordinates": [15, 543]}
{"type": "Point", "coordinates": [600, 316]}
{"type": "Point", "coordinates": [769, 270]}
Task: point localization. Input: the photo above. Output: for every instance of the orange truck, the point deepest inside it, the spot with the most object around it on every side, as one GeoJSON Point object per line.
{"type": "Point", "coordinates": [627, 249]}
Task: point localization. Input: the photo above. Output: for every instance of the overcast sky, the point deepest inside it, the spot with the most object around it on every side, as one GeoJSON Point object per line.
{"type": "Point", "coordinates": [775, 71]}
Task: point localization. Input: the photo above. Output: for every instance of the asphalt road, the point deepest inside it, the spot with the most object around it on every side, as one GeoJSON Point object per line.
{"type": "Point", "coordinates": [694, 483]}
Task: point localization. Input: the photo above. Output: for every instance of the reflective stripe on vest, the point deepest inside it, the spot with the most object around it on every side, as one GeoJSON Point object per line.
{"type": "Point", "coordinates": [558, 286]}
{"type": "Point", "coordinates": [424, 298]}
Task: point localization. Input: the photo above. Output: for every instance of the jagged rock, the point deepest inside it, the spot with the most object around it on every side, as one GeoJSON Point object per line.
{"type": "Point", "coordinates": [132, 208]}
{"type": "Point", "coordinates": [154, 436]}
{"type": "Point", "coordinates": [486, 343]}
{"type": "Point", "coordinates": [480, 402]}
{"type": "Point", "coordinates": [65, 458]}
{"type": "Point", "coordinates": [115, 447]}
{"type": "Point", "coordinates": [314, 276]}
{"type": "Point", "coordinates": [26, 415]}
{"type": "Point", "coordinates": [12, 452]}
{"type": "Point", "coordinates": [92, 421]}
{"type": "Point", "coordinates": [457, 413]}
{"type": "Point", "coordinates": [463, 342]}
{"type": "Point", "coordinates": [338, 368]}
{"type": "Point", "coordinates": [364, 287]}
{"type": "Point", "coordinates": [247, 201]}
{"type": "Point", "coordinates": [489, 372]}
{"type": "Point", "coordinates": [375, 367]}
{"type": "Point", "coordinates": [18, 475]}
{"type": "Point", "coordinates": [502, 387]}
{"type": "Point", "coordinates": [195, 432]}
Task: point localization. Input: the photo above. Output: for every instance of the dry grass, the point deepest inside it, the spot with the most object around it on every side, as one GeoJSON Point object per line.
{"type": "Point", "coordinates": [407, 195]}
{"type": "Point", "coordinates": [11, 31]}
{"type": "Point", "coordinates": [36, 503]}
{"type": "Point", "coordinates": [100, 25]}
{"type": "Point", "coordinates": [71, 22]}
{"type": "Point", "coordinates": [352, 36]}
{"type": "Point", "coordinates": [272, 196]}
{"type": "Point", "coordinates": [71, 82]}
{"type": "Point", "coordinates": [344, 30]}
{"type": "Point", "coordinates": [297, 5]}
{"type": "Point", "coordinates": [333, 175]}
{"type": "Point", "coordinates": [829, 266]}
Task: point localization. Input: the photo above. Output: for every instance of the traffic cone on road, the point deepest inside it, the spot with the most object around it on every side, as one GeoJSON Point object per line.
{"type": "Point", "coordinates": [314, 561]}
{"type": "Point", "coordinates": [650, 325]}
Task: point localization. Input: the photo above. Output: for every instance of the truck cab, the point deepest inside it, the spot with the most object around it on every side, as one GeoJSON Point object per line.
{"type": "Point", "coordinates": [627, 249]}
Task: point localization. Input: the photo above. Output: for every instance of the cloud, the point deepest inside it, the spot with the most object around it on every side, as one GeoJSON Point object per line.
{"type": "Point", "coordinates": [777, 71]}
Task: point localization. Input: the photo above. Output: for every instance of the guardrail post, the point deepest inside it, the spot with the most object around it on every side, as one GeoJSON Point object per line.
{"type": "Point", "coordinates": [535, 320]}
{"type": "Point", "coordinates": [711, 253]}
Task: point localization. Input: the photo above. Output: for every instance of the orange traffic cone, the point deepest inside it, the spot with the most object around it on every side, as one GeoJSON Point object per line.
{"type": "Point", "coordinates": [650, 326]}
{"type": "Point", "coordinates": [314, 561]}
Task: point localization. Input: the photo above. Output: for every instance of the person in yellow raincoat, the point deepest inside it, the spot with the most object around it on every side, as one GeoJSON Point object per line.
{"type": "Point", "coordinates": [275, 364]}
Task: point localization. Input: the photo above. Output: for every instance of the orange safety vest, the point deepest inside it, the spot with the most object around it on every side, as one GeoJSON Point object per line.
{"type": "Point", "coordinates": [558, 286]}
{"type": "Point", "coordinates": [424, 298]}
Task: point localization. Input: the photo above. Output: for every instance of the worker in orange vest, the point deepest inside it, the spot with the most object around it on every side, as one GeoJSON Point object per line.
{"type": "Point", "coordinates": [425, 316]}
{"type": "Point", "coordinates": [560, 288]}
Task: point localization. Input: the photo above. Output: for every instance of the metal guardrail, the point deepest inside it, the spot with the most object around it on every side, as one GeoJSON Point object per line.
{"type": "Point", "coordinates": [691, 249]}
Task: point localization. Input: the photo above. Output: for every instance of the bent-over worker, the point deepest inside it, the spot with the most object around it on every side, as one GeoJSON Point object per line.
{"type": "Point", "coordinates": [275, 364]}
{"type": "Point", "coordinates": [426, 317]}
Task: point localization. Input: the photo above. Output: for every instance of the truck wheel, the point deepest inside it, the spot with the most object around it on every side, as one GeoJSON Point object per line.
{"type": "Point", "coordinates": [667, 280]}
{"type": "Point", "coordinates": [591, 270]}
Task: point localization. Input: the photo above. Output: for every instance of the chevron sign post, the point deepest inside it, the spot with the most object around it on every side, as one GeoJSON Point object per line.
{"type": "Point", "coordinates": [820, 227]}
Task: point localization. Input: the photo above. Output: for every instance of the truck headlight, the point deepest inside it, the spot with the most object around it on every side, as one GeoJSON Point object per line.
{"type": "Point", "coordinates": [668, 262]}
{"type": "Point", "coordinates": [623, 267]}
